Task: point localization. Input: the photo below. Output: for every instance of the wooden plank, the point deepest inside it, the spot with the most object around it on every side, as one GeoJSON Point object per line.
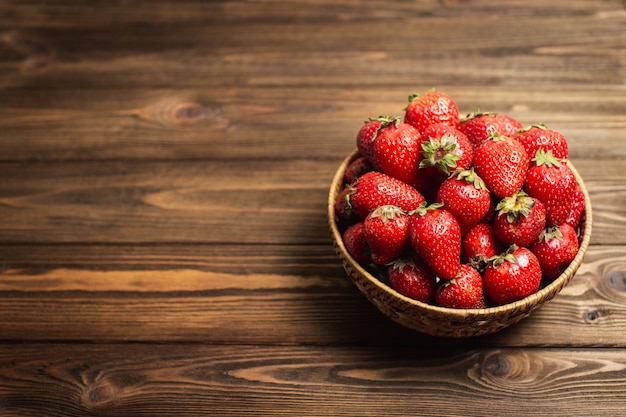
{"type": "Point", "coordinates": [277, 123]}
{"type": "Point", "coordinates": [63, 13]}
{"type": "Point", "coordinates": [111, 43]}
{"type": "Point", "coordinates": [209, 202]}
{"type": "Point", "coordinates": [76, 380]}
{"type": "Point", "coordinates": [260, 295]}
{"type": "Point", "coordinates": [217, 202]}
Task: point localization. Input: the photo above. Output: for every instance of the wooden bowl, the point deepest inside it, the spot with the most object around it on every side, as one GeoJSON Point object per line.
{"type": "Point", "coordinates": [440, 321]}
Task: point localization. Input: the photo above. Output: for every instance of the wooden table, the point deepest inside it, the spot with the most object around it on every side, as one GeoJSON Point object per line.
{"type": "Point", "coordinates": [163, 182]}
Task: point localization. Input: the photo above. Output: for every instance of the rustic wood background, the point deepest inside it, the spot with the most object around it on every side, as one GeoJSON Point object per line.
{"type": "Point", "coordinates": [164, 169]}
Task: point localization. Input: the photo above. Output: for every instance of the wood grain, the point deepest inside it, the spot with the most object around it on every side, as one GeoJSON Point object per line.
{"type": "Point", "coordinates": [239, 123]}
{"type": "Point", "coordinates": [199, 202]}
{"type": "Point", "coordinates": [301, 295]}
{"type": "Point", "coordinates": [77, 380]}
{"type": "Point", "coordinates": [164, 170]}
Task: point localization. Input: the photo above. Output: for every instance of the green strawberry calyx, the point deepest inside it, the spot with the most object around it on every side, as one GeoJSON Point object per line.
{"type": "Point", "coordinates": [470, 176]}
{"type": "Point", "coordinates": [507, 256]}
{"type": "Point", "coordinates": [414, 96]}
{"type": "Point", "coordinates": [543, 157]}
{"type": "Point", "coordinates": [401, 263]}
{"type": "Point", "coordinates": [498, 137]}
{"type": "Point", "coordinates": [550, 233]}
{"type": "Point", "coordinates": [515, 206]}
{"type": "Point", "coordinates": [541, 126]}
{"type": "Point", "coordinates": [385, 122]}
{"type": "Point", "coordinates": [479, 262]}
{"type": "Point", "coordinates": [440, 153]}
{"type": "Point", "coordinates": [388, 212]}
{"type": "Point", "coordinates": [424, 207]}
{"type": "Point", "coordinates": [477, 113]}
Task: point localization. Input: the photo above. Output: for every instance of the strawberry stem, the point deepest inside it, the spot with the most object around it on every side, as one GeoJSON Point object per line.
{"type": "Point", "coordinates": [440, 153]}
{"type": "Point", "coordinates": [470, 176]}
{"type": "Point", "coordinates": [543, 157]}
{"type": "Point", "coordinates": [423, 208]}
{"type": "Point", "coordinates": [388, 212]}
{"type": "Point", "coordinates": [541, 126]}
{"type": "Point", "coordinates": [515, 206]}
{"type": "Point", "coordinates": [476, 113]}
{"type": "Point", "coordinates": [507, 256]}
{"type": "Point", "coordinates": [553, 232]}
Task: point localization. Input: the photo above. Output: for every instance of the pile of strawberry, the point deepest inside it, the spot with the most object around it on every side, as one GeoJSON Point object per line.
{"type": "Point", "coordinates": [461, 213]}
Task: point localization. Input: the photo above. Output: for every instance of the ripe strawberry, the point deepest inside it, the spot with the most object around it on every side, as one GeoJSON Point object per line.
{"type": "Point", "coordinates": [397, 153]}
{"type": "Point", "coordinates": [502, 163]}
{"type": "Point", "coordinates": [539, 136]}
{"type": "Point", "coordinates": [366, 136]}
{"type": "Point", "coordinates": [577, 207]}
{"type": "Point", "coordinates": [519, 219]}
{"type": "Point", "coordinates": [357, 168]}
{"type": "Point", "coordinates": [445, 149]}
{"type": "Point", "coordinates": [512, 276]}
{"type": "Point", "coordinates": [343, 209]}
{"type": "Point", "coordinates": [550, 180]}
{"type": "Point", "coordinates": [386, 233]}
{"type": "Point", "coordinates": [413, 278]}
{"type": "Point", "coordinates": [480, 244]}
{"type": "Point", "coordinates": [430, 108]}
{"type": "Point", "coordinates": [464, 291]}
{"type": "Point", "coordinates": [466, 197]}
{"type": "Point", "coordinates": [556, 249]}
{"type": "Point", "coordinates": [356, 245]}
{"type": "Point", "coordinates": [479, 126]}
{"type": "Point", "coordinates": [435, 235]}
{"type": "Point", "coordinates": [374, 189]}
{"type": "Point", "coordinates": [488, 218]}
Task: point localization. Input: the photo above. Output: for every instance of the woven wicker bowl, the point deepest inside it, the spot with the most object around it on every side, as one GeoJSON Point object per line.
{"type": "Point", "coordinates": [448, 322]}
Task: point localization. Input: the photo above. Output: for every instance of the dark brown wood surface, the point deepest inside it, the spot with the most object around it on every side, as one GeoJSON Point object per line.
{"type": "Point", "coordinates": [164, 170]}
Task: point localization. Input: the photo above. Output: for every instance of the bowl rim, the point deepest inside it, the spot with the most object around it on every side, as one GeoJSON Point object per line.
{"type": "Point", "coordinates": [542, 295]}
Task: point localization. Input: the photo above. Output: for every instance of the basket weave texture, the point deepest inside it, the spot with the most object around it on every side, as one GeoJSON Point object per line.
{"type": "Point", "coordinates": [440, 321]}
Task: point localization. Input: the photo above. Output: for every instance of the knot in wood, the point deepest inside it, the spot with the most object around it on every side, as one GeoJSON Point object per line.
{"type": "Point", "coordinates": [180, 112]}
{"type": "Point", "coordinates": [188, 113]}
{"type": "Point", "coordinates": [100, 394]}
{"type": "Point", "coordinates": [112, 388]}
{"type": "Point", "coordinates": [497, 365]}
{"type": "Point", "coordinates": [617, 280]}
{"type": "Point", "coordinates": [594, 315]}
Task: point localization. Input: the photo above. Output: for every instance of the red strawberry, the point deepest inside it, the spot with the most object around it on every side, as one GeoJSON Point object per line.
{"type": "Point", "coordinates": [343, 209]}
{"type": "Point", "coordinates": [354, 241]}
{"type": "Point", "coordinates": [369, 131]}
{"type": "Point", "coordinates": [466, 197]}
{"type": "Point", "coordinates": [556, 249]}
{"type": "Point", "coordinates": [539, 136]}
{"type": "Point", "coordinates": [488, 218]}
{"type": "Point", "coordinates": [430, 108]}
{"type": "Point", "coordinates": [464, 291]}
{"type": "Point", "coordinates": [357, 168]}
{"type": "Point", "coordinates": [412, 278]}
{"type": "Point", "coordinates": [397, 153]}
{"type": "Point", "coordinates": [502, 163]}
{"type": "Point", "coordinates": [577, 207]}
{"type": "Point", "coordinates": [512, 276]}
{"type": "Point", "coordinates": [478, 126]}
{"type": "Point", "coordinates": [374, 189]}
{"type": "Point", "coordinates": [435, 235]}
{"type": "Point", "coordinates": [550, 180]}
{"type": "Point", "coordinates": [386, 233]}
{"type": "Point", "coordinates": [445, 149]}
{"type": "Point", "coordinates": [519, 219]}
{"type": "Point", "coordinates": [480, 244]}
